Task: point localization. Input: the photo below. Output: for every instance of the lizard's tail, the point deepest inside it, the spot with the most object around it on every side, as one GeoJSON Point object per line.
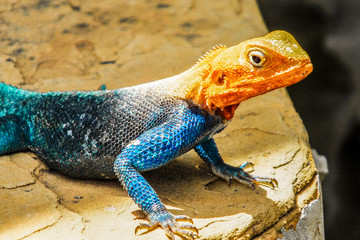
{"type": "Point", "coordinates": [12, 135]}
{"type": "Point", "coordinates": [10, 97]}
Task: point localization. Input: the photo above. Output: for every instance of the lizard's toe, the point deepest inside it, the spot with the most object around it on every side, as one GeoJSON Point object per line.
{"type": "Point", "coordinates": [184, 233]}
{"type": "Point", "coordinates": [230, 173]}
{"type": "Point", "coordinates": [183, 218]}
{"type": "Point", "coordinates": [190, 227]}
{"type": "Point", "coordinates": [145, 226]}
{"type": "Point", "coordinates": [169, 223]}
{"type": "Point", "coordinates": [270, 182]}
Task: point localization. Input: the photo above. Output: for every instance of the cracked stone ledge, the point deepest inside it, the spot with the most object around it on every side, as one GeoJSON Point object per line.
{"type": "Point", "coordinates": [65, 51]}
{"type": "Point", "coordinates": [49, 214]}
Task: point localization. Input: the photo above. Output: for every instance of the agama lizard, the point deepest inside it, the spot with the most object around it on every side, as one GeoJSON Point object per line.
{"type": "Point", "coordinates": [121, 133]}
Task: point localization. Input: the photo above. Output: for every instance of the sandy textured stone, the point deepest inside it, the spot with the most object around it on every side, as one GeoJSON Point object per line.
{"type": "Point", "coordinates": [26, 205]}
{"type": "Point", "coordinates": [78, 44]}
{"type": "Point", "coordinates": [7, 171]}
{"type": "Point", "coordinates": [69, 226]}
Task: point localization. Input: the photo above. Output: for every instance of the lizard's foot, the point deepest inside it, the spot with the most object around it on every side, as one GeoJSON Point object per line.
{"type": "Point", "coordinates": [169, 223]}
{"type": "Point", "coordinates": [230, 173]}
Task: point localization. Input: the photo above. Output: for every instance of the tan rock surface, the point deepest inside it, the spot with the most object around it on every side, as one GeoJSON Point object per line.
{"type": "Point", "coordinates": [78, 44]}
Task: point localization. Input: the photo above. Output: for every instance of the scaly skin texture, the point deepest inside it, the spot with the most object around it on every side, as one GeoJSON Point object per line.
{"type": "Point", "coordinates": [121, 133]}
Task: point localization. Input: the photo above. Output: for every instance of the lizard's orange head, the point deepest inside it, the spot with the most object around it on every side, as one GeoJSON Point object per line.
{"type": "Point", "coordinates": [251, 68]}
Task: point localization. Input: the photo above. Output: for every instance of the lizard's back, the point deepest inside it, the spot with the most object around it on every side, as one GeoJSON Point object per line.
{"type": "Point", "coordinates": [81, 133]}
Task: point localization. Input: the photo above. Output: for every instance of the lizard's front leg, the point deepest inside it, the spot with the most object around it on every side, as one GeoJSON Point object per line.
{"type": "Point", "coordinates": [151, 150]}
{"type": "Point", "coordinates": [209, 152]}
{"type": "Point", "coordinates": [145, 196]}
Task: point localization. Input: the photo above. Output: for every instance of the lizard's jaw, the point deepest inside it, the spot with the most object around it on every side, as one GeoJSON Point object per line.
{"type": "Point", "coordinates": [227, 112]}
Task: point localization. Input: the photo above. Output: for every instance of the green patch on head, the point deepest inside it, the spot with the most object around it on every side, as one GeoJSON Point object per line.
{"type": "Point", "coordinates": [285, 44]}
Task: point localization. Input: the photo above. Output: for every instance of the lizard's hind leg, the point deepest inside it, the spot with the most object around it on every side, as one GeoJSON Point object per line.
{"type": "Point", "coordinates": [12, 137]}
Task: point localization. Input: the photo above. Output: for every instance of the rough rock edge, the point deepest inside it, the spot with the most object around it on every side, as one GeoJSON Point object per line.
{"type": "Point", "coordinates": [303, 220]}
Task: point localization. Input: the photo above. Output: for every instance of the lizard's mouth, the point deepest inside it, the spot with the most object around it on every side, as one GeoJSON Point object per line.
{"type": "Point", "coordinates": [227, 112]}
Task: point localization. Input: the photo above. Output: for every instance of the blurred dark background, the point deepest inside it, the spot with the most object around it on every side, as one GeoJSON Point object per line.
{"type": "Point", "coordinates": [329, 99]}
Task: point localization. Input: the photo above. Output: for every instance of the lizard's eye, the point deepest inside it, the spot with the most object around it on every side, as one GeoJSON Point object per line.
{"type": "Point", "coordinates": [257, 58]}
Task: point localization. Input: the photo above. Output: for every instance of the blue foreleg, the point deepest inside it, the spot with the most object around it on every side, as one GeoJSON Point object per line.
{"type": "Point", "coordinates": [151, 150]}
{"type": "Point", "coordinates": [209, 152]}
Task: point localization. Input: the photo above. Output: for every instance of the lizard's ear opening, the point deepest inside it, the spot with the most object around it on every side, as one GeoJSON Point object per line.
{"type": "Point", "coordinates": [257, 58]}
{"type": "Point", "coordinates": [218, 77]}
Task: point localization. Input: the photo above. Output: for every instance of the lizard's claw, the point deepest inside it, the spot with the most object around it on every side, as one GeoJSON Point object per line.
{"type": "Point", "coordinates": [169, 223]}
{"type": "Point", "coordinates": [230, 173]}
{"type": "Point", "coordinates": [270, 182]}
